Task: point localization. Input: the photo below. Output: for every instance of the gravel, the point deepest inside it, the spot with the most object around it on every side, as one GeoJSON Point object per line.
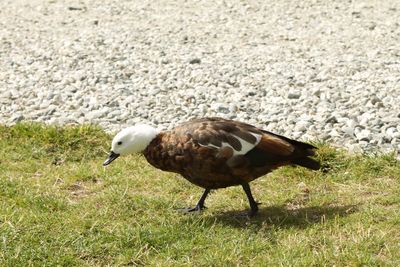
{"type": "Point", "coordinates": [312, 70]}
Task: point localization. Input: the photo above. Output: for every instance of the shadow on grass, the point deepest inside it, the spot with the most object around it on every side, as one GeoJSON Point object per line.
{"type": "Point", "coordinates": [283, 217]}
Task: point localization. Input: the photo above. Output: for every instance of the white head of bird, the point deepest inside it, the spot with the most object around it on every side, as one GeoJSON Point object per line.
{"type": "Point", "coordinates": [131, 140]}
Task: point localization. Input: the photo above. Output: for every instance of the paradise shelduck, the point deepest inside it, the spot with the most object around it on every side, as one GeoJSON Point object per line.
{"type": "Point", "coordinates": [214, 153]}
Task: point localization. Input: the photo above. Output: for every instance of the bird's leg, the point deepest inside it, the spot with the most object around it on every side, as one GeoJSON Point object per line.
{"type": "Point", "coordinates": [200, 205]}
{"type": "Point", "coordinates": [253, 203]}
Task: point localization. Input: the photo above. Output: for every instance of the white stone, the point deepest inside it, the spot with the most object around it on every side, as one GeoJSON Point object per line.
{"type": "Point", "coordinates": [363, 135]}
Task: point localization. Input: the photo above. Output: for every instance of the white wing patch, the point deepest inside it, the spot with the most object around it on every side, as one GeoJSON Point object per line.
{"type": "Point", "coordinates": [246, 146]}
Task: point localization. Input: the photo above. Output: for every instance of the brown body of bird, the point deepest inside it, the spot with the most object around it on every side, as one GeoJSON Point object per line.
{"type": "Point", "coordinates": [215, 153]}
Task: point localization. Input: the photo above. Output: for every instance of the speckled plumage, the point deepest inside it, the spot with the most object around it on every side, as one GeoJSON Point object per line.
{"type": "Point", "coordinates": [202, 151]}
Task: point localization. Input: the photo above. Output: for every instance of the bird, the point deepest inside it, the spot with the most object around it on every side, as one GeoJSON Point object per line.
{"type": "Point", "coordinates": [214, 153]}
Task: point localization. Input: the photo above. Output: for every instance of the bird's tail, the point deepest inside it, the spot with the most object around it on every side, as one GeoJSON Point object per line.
{"type": "Point", "coordinates": [303, 151]}
{"type": "Point", "coordinates": [301, 154]}
{"type": "Point", "coordinates": [307, 163]}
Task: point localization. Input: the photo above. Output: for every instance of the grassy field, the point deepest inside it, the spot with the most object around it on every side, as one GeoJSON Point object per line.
{"type": "Point", "coordinates": [60, 207]}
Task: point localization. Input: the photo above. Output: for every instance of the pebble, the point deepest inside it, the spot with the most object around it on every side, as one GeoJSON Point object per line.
{"type": "Point", "coordinates": [93, 115]}
{"type": "Point", "coordinates": [220, 108]}
{"type": "Point", "coordinates": [16, 118]}
{"type": "Point", "coordinates": [195, 61]}
{"type": "Point", "coordinates": [340, 86]}
{"type": "Point", "coordinates": [363, 135]}
{"type": "Point", "coordinates": [294, 95]}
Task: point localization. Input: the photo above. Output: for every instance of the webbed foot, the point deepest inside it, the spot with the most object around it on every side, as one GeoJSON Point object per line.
{"type": "Point", "coordinates": [196, 208]}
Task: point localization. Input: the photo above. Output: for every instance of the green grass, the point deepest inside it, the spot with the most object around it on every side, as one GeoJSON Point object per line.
{"type": "Point", "coordinates": [60, 207]}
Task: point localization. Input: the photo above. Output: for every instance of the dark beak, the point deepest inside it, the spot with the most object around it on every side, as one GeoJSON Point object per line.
{"type": "Point", "coordinates": [111, 158]}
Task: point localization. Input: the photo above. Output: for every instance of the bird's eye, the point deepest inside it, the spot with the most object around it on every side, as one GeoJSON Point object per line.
{"type": "Point", "coordinates": [119, 143]}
